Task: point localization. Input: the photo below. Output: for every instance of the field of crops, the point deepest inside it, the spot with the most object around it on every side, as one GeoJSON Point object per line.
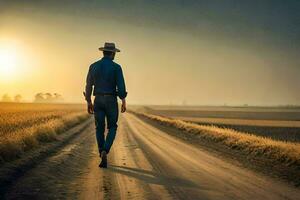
{"type": "Point", "coordinates": [287, 153]}
{"type": "Point", "coordinates": [24, 126]}
{"type": "Point", "coordinates": [276, 123]}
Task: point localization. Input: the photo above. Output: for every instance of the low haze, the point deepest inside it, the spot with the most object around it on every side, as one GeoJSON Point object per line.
{"type": "Point", "coordinates": [172, 52]}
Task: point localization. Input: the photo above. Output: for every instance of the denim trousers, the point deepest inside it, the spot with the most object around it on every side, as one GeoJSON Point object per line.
{"type": "Point", "coordinates": [106, 107]}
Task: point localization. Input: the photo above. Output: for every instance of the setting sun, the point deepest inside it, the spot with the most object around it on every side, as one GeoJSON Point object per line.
{"type": "Point", "coordinates": [8, 62]}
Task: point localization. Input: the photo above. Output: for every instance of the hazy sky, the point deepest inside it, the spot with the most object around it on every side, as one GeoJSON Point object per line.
{"type": "Point", "coordinates": [200, 52]}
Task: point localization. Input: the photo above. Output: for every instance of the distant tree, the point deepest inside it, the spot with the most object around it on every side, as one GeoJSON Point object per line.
{"type": "Point", "coordinates": [57, 97]}
{"type": "Point", "coordinates": [48, 97]}
{"type": "Point", "coordinates": [39, 97]}
{"type": "Point", "coordinates": [6, 98]}
{"type": "Point", "coordinates": [18, 98]}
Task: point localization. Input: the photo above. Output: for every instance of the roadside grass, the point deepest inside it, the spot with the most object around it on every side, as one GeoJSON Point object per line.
{"type": "Point", "coordinates": [287, 153]}
{"type": "Point", "coordinates": [273, 129]}
{"type": "Point", "coordinates": [16, 140]}
{"type": "Point", "coordinates": [242, 122]}
{"type": "Point", "coordinates": [276, 123]}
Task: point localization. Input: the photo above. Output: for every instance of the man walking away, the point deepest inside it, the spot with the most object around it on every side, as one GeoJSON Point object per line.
{"type": "Point", "coordinates": [106, 78]}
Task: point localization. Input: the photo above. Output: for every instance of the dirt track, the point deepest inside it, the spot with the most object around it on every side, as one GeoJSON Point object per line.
{"type": "Point", "coordinates": [145, 163]}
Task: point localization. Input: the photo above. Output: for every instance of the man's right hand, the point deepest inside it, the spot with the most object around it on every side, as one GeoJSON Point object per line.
{"type": "Point", "coordinates": [90, 108]}
{"type": "Point", "coordinates": [123, 107]}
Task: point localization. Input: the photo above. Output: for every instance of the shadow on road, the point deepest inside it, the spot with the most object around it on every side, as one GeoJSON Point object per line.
{"type": "Point", "coordinates": [151, 177]}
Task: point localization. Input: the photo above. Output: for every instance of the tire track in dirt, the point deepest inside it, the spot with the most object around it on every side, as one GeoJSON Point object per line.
{"type": "Point", "coordinates": [53, 176]}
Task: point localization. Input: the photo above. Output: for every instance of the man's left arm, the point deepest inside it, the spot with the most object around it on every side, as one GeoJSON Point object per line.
{"type": "Point", "coordinates": [122, 93]}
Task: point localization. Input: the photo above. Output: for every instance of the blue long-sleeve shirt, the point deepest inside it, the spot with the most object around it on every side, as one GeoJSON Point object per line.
{"type": "Point", "coordinates": [106, 77]}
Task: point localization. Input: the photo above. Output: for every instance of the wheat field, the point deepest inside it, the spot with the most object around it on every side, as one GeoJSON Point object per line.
{"type": "Point", "coordinates": [278, 151]}
{"type": "Point", "coordinates": [24, 126]}
{"type": "Point", "coordinates": [277, 123]}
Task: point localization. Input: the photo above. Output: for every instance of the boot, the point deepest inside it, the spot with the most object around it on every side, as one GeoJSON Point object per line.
{"type": "Point", "coordinates": [103, 163]}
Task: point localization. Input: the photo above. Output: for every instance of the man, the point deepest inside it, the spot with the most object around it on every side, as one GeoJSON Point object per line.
{"type": "Point", "coordinates": [106, 77]}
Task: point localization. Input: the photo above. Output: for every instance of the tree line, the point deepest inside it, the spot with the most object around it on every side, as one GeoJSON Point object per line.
{"type": "Point", "coordinates": [38, 98]}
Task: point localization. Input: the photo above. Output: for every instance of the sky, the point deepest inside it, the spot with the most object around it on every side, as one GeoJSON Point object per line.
{"type": "Point", "coordinates": [194, 52]}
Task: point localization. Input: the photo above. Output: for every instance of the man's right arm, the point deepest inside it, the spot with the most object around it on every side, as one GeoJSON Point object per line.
{"type": "Point", "coordinates": [89, 89]}
{"type": "Point", "coordinates": [89, 85]}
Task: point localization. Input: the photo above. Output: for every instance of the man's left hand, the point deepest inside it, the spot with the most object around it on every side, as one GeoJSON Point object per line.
{"type": "Point", "coordinates": [123, 107]}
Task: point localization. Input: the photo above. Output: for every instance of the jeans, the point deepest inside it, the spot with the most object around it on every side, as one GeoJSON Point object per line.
{"type": "Point", "coordinates": [105, 107]}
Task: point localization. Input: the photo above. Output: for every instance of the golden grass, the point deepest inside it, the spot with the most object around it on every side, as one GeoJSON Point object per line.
{"type": "Point", "coordinates": [279, 151]}
{"type": "Point", "coordinates": [242, 122]}
{"type": "Point", "coordinates": [25, 126]}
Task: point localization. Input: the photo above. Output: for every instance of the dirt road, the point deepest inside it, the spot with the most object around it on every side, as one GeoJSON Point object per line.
{"type": "Point", "coordinates": [145, 163]}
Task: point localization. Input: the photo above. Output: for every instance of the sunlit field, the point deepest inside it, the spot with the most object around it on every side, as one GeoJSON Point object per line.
{"type": "Point", "coordinates": [277, 123]}
{"type": "Point", "coordinates": [24, 126]}
{"type": "Point", "coordinates": [251, 144]}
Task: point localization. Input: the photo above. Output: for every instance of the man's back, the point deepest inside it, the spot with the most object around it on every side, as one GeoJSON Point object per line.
{"type": "Point", "coordinates": [107, 78]}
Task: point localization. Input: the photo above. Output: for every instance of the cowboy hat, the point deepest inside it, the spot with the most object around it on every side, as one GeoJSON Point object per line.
{"type": "Point", "coordinates": [109, 47]}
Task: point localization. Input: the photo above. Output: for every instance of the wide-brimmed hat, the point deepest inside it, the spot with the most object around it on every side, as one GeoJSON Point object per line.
{"type": "Point", "coordinates": [109, 47]}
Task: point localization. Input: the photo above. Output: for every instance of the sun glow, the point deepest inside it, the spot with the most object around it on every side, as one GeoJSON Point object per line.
{"type": "Point", "coordinates": [8, 63]}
